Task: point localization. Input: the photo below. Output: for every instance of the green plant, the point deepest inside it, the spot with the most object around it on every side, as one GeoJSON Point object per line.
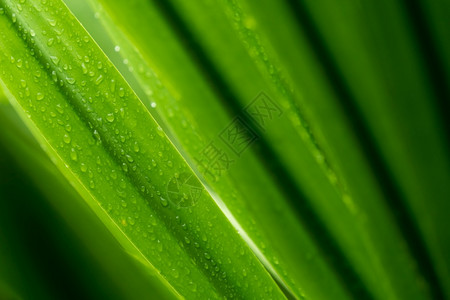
{"type": "Point", "coordinates": [262, 150]}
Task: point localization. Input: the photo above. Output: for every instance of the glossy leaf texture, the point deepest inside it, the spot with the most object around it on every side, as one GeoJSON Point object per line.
{"type": "Point", "coordinates": [107, 144]}
{"type": "Point", "coordinates": [375, 120]}
{"type": "Point", "coordinates": [195, 113]}
{"type": "Point", "coordinates": [51, 233]}
{"type": "Point", "coordinates": [357, 213]}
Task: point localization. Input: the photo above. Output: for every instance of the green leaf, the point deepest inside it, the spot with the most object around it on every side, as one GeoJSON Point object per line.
{"type": "Point", "coordinates": [106, 142]}
{"type": "Point", "coordinates": [348, 158]}
{"type": "Point", "coordinates": [403, 120]}
{"type": "Point", "coordinates": [99, 266]}
{"type": "Point", "coordinates": [363, 95]}
{"type": "Point", "coordinates": [263, 215]}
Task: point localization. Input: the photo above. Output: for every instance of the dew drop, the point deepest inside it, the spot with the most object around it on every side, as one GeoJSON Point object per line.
{"type": "Point", "coordinates": [164, 202]}
{"type": "Point", "coordinates": [59, 108]}
{"type": "Point", "coordinates": [110, 117]}
{"type": "Point", "coordinates": [117, 48]}
{"type": "Point", "coordinates": [39, 96]}
{"type": "Point", "coordinates": [73, 154]}
{"type": "Point", "coordinates": [55, 59]}
{"type": "Point", "coordinates": [131, 221]}
{"type": "Point", "coordinates": [83, 68]}
{"type": "Point", "coordinates": [99, 79]}
{"type": "Point", "coordinates": [113, 86]}
{"type": "Point", "coordinates": [121, 92]}
{"type": "Point", "coordinates": [136, 147]}
{"type": "Point", "coordinates": [67, 139]}
{"type": "Point", "coordinates": [70, 80]}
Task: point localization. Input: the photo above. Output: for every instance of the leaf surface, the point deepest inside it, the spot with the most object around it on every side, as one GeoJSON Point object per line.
{"type": "Point", "coordinates": [119, 159]}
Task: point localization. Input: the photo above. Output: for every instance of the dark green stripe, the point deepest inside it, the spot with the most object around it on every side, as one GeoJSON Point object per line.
{"type": "Point", "coordinates": [268, 157]}
{"type": "Point", "coordinates": [393, 196]}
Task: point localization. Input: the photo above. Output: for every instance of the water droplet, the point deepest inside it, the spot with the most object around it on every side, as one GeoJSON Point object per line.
{"type": "Point", "coordinates": [70, 80]}
{"type": "Point", "coordinates": [39, 96]}
{"type": "Point", "coordinates": [113, 86]}
{"type": "Point", "coordinates": [110, 117]}
{"type": "Point", "coordinates": [52, 22]}
{"type": "Point", "coordinates": [129, 158]}
{"type": "Point", "coordinates": [67, 139]}
{"type": "Point", "coordinates": [117, 48]}
{"type": "Point", "coordinates": [121, 92]}
{"type": "Point", "coordinates": [164, 202]}
{"type": "Point", "coordinates": [59, 108]}
{"type": "Point", "coordinates": [55, 59]}
{"type": "Point", "coordinates": [160, 132]}
{"type": "Point", "coordinates": [50, 42]}
{"type": "Point", "coordinates": [153, 104]}
{"type": "Point", "coordinates": [73, 154]}
{"type": "Point", "coordinates": [99, 79]}
{"type": "Point", "coordinates": [131, 221]}
{"type": "Point", "coordinates": [136, 147]}
{"type": "Point", "coordinates": [83, 167]}
{"type": "Point", "coordinates": [83, 67]}
{"type": "Point", "coordinates": [54, 77]}
{"type": "Point", "coordinates": [23, 83]}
